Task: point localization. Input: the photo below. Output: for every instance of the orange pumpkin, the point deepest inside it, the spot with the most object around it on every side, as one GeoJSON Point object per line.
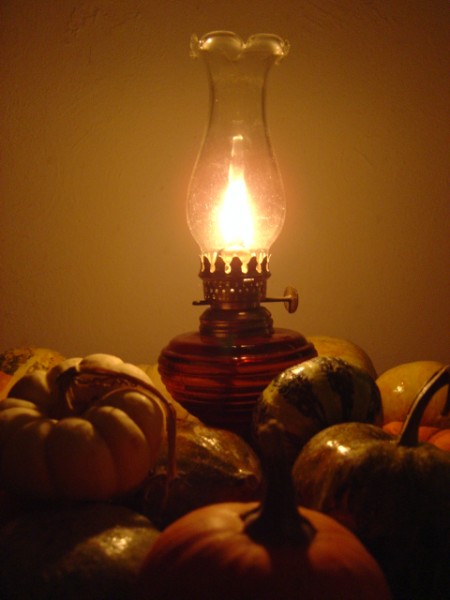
{"type": "Point", "coordinates": [433, 427]}
{"type": "Point", "coordinates": [400, 385]}
{"type": "Point", "coordinates": [433, 435]}
{"type": "Point", "coordinates": [271, 551]}
{"type": "Point", "coordinates": [341, 348]}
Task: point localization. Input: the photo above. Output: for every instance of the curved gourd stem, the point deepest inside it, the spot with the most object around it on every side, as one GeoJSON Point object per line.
{"type": "Point", "coordinates": [409, 435]}
{"type": "Point", "coordinates": [69, 383]}
{"type": "Point", "coordinates": [277, 521]}
{"type": "Point", "coordinates": [65, 395]}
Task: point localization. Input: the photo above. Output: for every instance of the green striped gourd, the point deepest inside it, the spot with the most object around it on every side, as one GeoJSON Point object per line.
{"type": "Point", "coordinates": [315, 394]}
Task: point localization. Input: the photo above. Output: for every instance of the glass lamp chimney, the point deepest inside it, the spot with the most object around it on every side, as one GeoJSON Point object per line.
{"type": "Point", "coordinates": [236, 203]}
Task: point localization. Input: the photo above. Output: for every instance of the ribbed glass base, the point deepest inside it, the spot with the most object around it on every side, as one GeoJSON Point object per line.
{"type": "Point", "coordinates": [219, 379]}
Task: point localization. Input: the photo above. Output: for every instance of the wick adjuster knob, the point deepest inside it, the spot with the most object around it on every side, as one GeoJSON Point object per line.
{"type": "Point", "coordinates": [290, 299]}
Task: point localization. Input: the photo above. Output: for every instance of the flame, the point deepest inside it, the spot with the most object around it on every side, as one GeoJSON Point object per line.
{"type": "Point", "coordinates": [235, 213]}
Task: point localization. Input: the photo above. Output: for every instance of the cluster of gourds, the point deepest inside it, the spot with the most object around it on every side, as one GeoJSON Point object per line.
{"type": "Point", "coordinates": [326, 504]}
{"type": "Point", "coordinates": [392, 491]}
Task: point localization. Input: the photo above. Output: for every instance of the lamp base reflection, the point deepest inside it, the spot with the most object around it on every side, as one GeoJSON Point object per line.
{"type": "Point", "coordinates": [219, 378]}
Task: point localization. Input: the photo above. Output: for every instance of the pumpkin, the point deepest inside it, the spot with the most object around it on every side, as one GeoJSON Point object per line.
{"type": "Point", "coordinates": [317, 393]}
{"type": "Point", "coordinates": [88, 550]}
{"type": "Point", "coordinates": [213, 465]}
{"type": "Point", "coordinates": [433, 435]}
{"type": "Point", "coordinates": [399, 387]}
{"type": "Point", "coordinates": [269, 551]}
{"type": "Point", "coordinates": [392, 492]}
{"type": "Point", "coordinates": [87, 429]}
{"type": "Point", "coordinates": [17, 362]}
{"type": "Point", "coordinates": [326, 345]}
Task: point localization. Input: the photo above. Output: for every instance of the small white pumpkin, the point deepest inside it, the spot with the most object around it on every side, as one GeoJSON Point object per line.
{"type": "Point", "coordinates": [88, 429]}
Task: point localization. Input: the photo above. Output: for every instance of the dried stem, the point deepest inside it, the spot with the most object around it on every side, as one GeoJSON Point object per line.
{"type": "Point", "coordinates": [409, 435]}
{"type": "Point", "coordinates": [277, 521]}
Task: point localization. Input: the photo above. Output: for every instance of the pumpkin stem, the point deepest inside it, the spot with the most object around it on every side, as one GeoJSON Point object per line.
{"type": "Point", "coordinates": [65, 381]}
{"type": "Point", "coordinates": [277, 520]}
{"type": "Point", "coordinates": [409, 435]}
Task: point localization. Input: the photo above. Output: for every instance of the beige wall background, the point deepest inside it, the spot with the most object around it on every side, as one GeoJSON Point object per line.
{"type": "Point", "coordinates": [102, 113]}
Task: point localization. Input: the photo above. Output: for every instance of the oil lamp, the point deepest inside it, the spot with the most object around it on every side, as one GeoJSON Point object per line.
{"type": "Point", "coordinates": [235, 211]}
